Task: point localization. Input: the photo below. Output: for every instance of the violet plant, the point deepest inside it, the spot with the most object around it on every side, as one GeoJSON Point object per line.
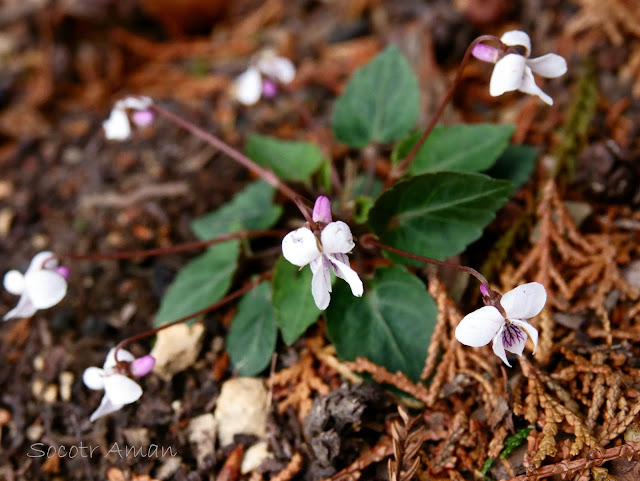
{"type": "Point", "coordinates": [445, 186]}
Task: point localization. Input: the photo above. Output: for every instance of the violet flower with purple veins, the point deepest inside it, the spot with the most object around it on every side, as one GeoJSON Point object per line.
{"type": "Point", "coordinates": [324, 254]}
{"type": "Point", "coordinates": [507, 329]}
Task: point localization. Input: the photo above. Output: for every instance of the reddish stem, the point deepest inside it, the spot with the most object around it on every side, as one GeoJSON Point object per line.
{"type": "Point", "coordinates": [268, 176]}
{"type": "Point", "coordinates": [398, 171]}
{"type": "Point", "coordinates": [213, 307]}
{"type": "Point", "coordinates": [173, 249]}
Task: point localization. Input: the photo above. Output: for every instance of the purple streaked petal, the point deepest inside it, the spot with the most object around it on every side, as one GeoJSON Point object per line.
{"type": "Point", "coordinates": [513, 339]}
{"type": "Point", "coordinates": [498, 347]}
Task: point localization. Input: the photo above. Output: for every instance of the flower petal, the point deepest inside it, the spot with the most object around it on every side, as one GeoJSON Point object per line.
{"type": "Point", "coordinates": [517, 37]}
{"type": "Point", "coordinates": [498, 348]}
{"type": "Point", "coordinates": [121, 389]}
{"type": "Point", "coordinates": [93, 378]}
{"type": "Point", "coordinates": [507, 74]}
{"type": "Point", "coordinates": [336, 237]}
{"type": "Point", "coordinates": [248, 86]}
{"type": "Point", "coordinates": [321, 283]}
{"type": "Point", "coordinates": [528, 86]}
{"type": "Point", "coordinates": [480, 326]}
{"type": "Point", "coordinates": [485, 53]}
{"type": "Point", "coordinates": [45, 288]}
{"type": "Point", "coordinates": [348, 274]}
{"type": "Point", "coordinates": [300, 247]}
{"type": "Point", "coordinates": [42, 260]}
{"type": "Point", "coordinates": [117, 126]}
{"type": "Point", "coordinates": [513, 339]}
{"type": "Point", "coordinates": [549, 65]}
{"type": "Point", "coordinates": [106, 407]}
{"type": "Point", "coordinates": [139, 102]}
{"type": "Point", "coordinates": [532, 331]}
{"type": "Point", "coordinates": [322, 210]}
{"type": "Point", "coordinates": [14, 282]}
{"type": "Point", "coordinates": [123, 356]}
{"type": "Point", "coordinates": [525, 301]}
{"type": "Point", "coordinates": [278, 68]}
{"type": "Point", "coordinates": [23, 309]}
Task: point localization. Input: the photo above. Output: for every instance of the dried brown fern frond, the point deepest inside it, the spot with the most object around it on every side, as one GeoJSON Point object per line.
{"type": "Point", "coordinates": [407, 440]}
{"type": "Point", "coordinates": [618, 19]}
{"type": "Point", "coordinates": [294, 386]}
{"type": "Point", "coordinates": [382, 450]}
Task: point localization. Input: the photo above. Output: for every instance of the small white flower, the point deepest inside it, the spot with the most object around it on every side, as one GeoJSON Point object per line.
{"type": "Point", "coordinates": [508, 334]}
{"type": "Point", "coordinates": [302, 247]}
{"type": "Point", "coordinates": [118, 126]}
{"type": "Point", "coordinates": [249, 86]}
{"type": "Point", "coordinates": [119, 389]}
{"type": "Point", "coordinates": [41, 287]}
{"type": "Point", "coordinates": [514, 71]}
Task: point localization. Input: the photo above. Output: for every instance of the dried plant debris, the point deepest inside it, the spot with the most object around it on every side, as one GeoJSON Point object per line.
{"type": "Point", "coordinates": [341, 424]}
{"type": "Point", "coordinates": [616, 18]}
{"type": "Point", "coordinates": [407, 441]}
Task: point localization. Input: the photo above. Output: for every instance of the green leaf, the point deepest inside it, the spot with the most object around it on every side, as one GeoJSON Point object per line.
{"type": "Point", "coordinates": [515, 164]}
{"type": "Point", "coordinates": [380, 103]}
{"type": "Point", "coordinates": [253, 334]}
{"type": "Point", "coordinates": [438, 214]}
{"type": "Point", "coordinates": [391, 324]}
{"type": "Point", "coordinates": [203, 281]}
{"type": "Point", "coordinates": [464, 148]}
{"type": "Point", "coordinates": [292, 300]}
{"type": "Point", "coordinates": [289, 160]}
{"type": "Point", "coordinates": [251, 209]}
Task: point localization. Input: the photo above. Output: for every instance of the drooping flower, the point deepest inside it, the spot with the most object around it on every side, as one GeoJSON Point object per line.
{"type": "Point", "coordinates": [43, 285]}
{"type": "Point", "coordinates": [514, 71]}
{"type": "Point", "coordinates": [250, 85]}
{"type": "Point", "coordinates": [118, 126]}
{"type": "Point", "coordinates": [509, 331]}
{"type": "Point", "coordinates": [119, 388]}
{"type": "Point", "coordinates": [324, 254]}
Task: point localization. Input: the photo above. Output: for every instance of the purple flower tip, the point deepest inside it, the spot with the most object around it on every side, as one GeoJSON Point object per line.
{"type": "Point", "coordinates": [484, 290]}
{"type": "Point", "coordinates": [63, 271]}
{"type": "Point", "coordinates": [143, 365]}
{"type": "Point", "coordinates": [142, 118]}
{"type": "Point", "coordinates": [269, 88]}
{"type": "Point", "coordinates": [485, 53]}
{"type": "Point", "coordinates": [322, 210]}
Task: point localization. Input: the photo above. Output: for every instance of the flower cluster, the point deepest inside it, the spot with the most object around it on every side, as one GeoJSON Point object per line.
{"type": "Point", "coordinates": [324, 254]}
{"type": "Point", "coordinates": [514, 71]}
{"type": "Point", "coordinates": [114, 378]}
{"type": "Point", "coordinates": [43, 285]}
{"type": "Point", "coordinates": [507, 329]}
{"type": "Point", "coordinates": [250, 85]}
{"type": "Point", "coordinates": [118, 127]}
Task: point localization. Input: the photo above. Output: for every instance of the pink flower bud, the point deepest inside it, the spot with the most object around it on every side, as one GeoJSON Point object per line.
{"type": "Point", "coordinates": [485, 53]}
{"type": "Point", "coordinates": [142, 366]}
{"type": "Point", "coordinates": [63, 271]}
{"type": "Point", "coordinates": [142, 118]}
{"type": "Point", "coordinates": [484, 290]}
{"type": "Point", "coordinates": [269, 88]}
{"type": "Point", "coordinates": [322, 210]}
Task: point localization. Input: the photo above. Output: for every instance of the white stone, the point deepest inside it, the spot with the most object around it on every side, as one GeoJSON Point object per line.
{"type": "Point", "coordinates": [241, 409]}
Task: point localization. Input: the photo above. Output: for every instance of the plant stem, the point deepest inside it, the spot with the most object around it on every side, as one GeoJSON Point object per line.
{"type": "Point", "coordinates": [399, 170]}
{"type": "Point", "coordinates": [234, 295]}
{"type": "Point", "coordinates": [173, 249]}
{"type": "Point", "coordinates": [268, 176]}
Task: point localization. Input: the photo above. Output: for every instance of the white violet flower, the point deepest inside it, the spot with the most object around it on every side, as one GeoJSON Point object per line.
{"type": "Point", "coordinates": [250, 85]}
{"type": "Point", "coordinates": [514, 71]}
{"type": "Point", "coordinates": [118, 126]}
{"type": "Point", "coordinates": [119, 388]}
{"type": "Point", "coordinates": [509, 331]}
{"type": "Point", "coordinates": [324, 254]}
{"type": "Point", "coordinates": [43, 285]}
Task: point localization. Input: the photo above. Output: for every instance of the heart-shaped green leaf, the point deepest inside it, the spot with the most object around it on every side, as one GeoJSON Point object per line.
{"type": "Point", "coordinates": [515, 164]}
{"type": "Point", "coordinates": [464, 148]}
{"type": "Point", "coordinates": [289, 160]}
{"type": "Point", "coordinates": [253, 334]}
{"type": "Point", "coordinates": [292, 300]}
{"type": "Point", "coordinates": [380, 103]}
{"type": "Point", "coordinates": [390, 325]}
{"type": "Point", "coordinates": [437, 215]}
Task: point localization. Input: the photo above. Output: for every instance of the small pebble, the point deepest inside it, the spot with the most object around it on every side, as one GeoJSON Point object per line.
{"type": "Point", "coordinates": [38, 363]}
{"type": "Point", "coordinates": [6, 218]}
{"type": "Point", "coordinates": [6, 189]}
{"type": "Point", "coordinates": [50, 394]}
{"type": "Point", "coordinates": [34, 432]}
{"type": "Point", "coordinates": [241, 408]}
{"type": "Point", "coordinates": [66, 383]}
